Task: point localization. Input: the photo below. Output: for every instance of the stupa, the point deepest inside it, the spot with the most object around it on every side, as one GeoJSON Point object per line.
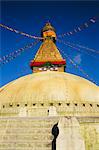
{"type": "Point", "coordinates": [49, 109]}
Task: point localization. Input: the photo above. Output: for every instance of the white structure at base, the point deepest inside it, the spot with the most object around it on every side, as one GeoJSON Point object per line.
{"type": "Point", "coordinates": [69, 137]}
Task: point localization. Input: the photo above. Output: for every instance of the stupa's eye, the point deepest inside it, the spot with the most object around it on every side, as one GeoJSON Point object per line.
{"type": "Point", "coordinates": [45, 69]}
{"type": "Point", "coordinates": [56, 68]}
{"type": "Point", "coordinates": [51, 69]}
{"type": "Point", "coordinates": [40, 69]}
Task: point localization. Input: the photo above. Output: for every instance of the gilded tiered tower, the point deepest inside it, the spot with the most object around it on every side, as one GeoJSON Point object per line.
{"type": "Point", "coordinates": [48, 56]}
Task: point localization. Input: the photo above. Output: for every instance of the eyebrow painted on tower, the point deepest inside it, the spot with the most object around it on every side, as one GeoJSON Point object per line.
{"type": "Point", "coordinates": [48, 57]}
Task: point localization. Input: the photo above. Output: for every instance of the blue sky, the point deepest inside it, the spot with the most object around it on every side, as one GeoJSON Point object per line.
{"type": "Point", "coordinates": [30, 17]}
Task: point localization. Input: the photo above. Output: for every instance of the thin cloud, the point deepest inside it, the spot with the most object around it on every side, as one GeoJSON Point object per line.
{"type": "Point", "coordinates": [77, 59]}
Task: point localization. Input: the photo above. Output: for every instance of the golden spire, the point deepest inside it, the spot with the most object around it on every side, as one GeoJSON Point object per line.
{"type": "Point", "coordinates": [48, 31]}
{"type": "Point", "coordinates": [48, 56]}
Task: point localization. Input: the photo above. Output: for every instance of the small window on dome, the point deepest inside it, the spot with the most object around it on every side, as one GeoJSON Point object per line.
{"type": "Point", "coordinates": [18, 105]}
{"type": "Point", "coordinates": [10, 105]}
{"type": "Point", "coordinates": [59, 104]}
{"type": "Point", "coordinates": [91, 105]}
{"type": "Point", "coordinates": [84, 105]}
{"type": "Point", "coordinates": [25, 104]}
{"type": "Point", "coordinates": [42, 104]}
{"type": "Point", "coordinates": [97, 105]}
{"type": "Point", "coordinates": [34, 104]}
{"type": "Point", "coordinates": [3, 106]}
{"type": "Point", "coordinates": [75, 104]}
{"type": "Point", "coordinates": [68, 104]}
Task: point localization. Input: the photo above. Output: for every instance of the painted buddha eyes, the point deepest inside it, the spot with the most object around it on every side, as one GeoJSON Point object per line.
{"type": "Point", "coordinates": [51, 69]}
{"type": "Point", "coordinates": [40, 69]}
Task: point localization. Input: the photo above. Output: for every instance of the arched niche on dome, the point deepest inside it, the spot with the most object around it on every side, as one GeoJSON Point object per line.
{"type": "Point", "coordinates": [52, 111]}
{"type": "Point", "coordinates": [23, 112]}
